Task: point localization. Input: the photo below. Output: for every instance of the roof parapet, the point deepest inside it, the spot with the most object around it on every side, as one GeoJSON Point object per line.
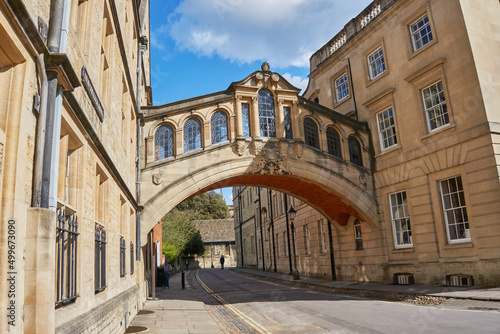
{"type": "Point", "coordinates": [350, 30]}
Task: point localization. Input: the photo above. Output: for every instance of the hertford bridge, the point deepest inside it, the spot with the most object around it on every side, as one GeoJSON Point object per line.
{"type": "Point", "coordinates": [258, 132]}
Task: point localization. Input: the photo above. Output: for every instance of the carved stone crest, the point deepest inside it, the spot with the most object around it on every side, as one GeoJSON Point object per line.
{"type": "Point", "coordinates": [156, 179]}
{"type": "Point", "coordinates": [270, 167]}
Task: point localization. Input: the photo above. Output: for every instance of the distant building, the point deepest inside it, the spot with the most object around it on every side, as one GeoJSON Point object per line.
{"type": "Point", "coordinates": [218, 237]}
{"type": "Point", "coordinates": [422, 75]}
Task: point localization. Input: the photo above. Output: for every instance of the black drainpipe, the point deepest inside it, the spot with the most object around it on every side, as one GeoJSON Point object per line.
{"type": "Point", "coordinates": [332, 259]}
{"type": "Point", "coordinates": [288, 235]}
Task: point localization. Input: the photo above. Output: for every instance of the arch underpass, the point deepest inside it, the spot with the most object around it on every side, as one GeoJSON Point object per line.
{"type": "Point", "coordinates": [332, 173]}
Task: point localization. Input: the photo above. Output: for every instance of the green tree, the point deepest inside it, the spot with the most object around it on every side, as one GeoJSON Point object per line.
{"type": "Point", "coordinates": [179, 228]}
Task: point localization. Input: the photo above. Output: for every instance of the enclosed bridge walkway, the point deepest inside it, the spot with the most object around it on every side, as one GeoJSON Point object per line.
{"type": "Point", "coordinates": [259, 132]}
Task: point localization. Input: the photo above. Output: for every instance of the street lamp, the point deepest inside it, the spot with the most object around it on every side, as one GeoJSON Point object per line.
{"type": "Point", "coordinates": [291, 216]}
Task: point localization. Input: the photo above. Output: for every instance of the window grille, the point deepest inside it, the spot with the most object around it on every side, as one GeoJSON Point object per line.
{"type": "Point", "coordinates": [66, 257]}
{"type": "Point", "coordinates": [341, 87]}
{"type": "Point", "coordinates": [122, 257]}
{"type": "Point", "coordinates": [245, 113]}
{"type": "Point", "coordinates": [218, 124]}
{"type": "Point", "coordinates": [333, 141]}
{"type": "Point", "coordinates": [192, 135]}
{"type": "Point", "coordinates": [421, 33]}
{"type": "Point", "coordinates": [386, 129]}
{"type": "Point", "coordinates": [376, 63]}
{"type": "Point", "coordinates": [267, 119]}
{"type": "Point", "coordinates": [400, 220]}
{"type": "Point", "coordinates": [132, 259]}
{"type": "Point", "coordinates": [99, 259]}
{"type": "Point", "coordinates": [435, 106]}
{"type": "Point", "coordinates": [357, 235]}
{"type": "Point", "coordinates": [311, 133]}
{"type": "Point", "coordinates": [288, 123]}
{"type": "Point", "coordinates": [164, 142]}
{"type": "Point", "coordinates": [455, 211]}
{"type": "Point", "coordinates": [355, 151]}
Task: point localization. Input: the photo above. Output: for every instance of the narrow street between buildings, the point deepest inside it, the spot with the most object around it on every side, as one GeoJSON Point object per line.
{"type": "Point", "coordinates": [278, 308]}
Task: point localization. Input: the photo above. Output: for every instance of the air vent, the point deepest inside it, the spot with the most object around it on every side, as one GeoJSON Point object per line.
{"type": "Point", "coordinates": [403, 279]}
{"type": "Point", "coordinates": [459, 280]}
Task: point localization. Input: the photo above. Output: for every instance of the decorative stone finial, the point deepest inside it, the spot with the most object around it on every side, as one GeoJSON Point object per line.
{"type": "Point", "coordinates": [265, 66]}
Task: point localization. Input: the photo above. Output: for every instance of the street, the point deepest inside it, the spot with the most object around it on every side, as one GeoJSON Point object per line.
{"type": "Point", "coordinates": [271, 308]}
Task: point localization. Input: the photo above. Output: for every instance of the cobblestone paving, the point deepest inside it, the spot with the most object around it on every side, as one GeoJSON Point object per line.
{"type": "Point", "coordinates": [226, 320]}
{"type": "Point", "coordinates": [468, 304]}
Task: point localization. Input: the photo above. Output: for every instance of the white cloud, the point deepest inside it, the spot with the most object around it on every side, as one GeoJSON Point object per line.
{"type": "Point", "coordinates": [281, 32]}
{"type": "Point", "coordinates": [296, 80]}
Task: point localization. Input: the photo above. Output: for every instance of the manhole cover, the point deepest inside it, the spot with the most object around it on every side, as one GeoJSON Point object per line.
{"type": "Point", "coordinates": [145, 312]}
{"type": "Point", "coordinates": [136, 329]}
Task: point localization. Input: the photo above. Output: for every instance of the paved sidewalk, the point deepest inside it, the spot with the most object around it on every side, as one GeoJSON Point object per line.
{"type": "Point", "coordinates": [471, 293]}
{"type": "Point", "coordinates": [175, 311]}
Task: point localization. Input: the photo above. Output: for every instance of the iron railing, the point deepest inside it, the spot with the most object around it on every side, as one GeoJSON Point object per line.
{"type": "Point", "coordinates": [122, 257]}
{"type": "Point", "coordinates": [66, 257]}
{"type": "Point", "coordinates": [132, 259]}
{"type": "Point", "coordinates": [100, 258]}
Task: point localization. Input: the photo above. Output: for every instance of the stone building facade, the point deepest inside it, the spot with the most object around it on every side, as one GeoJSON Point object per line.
{"type": "Point", "coordinates": [70, 100]}
{"type": "Point", "coordinates": [421, 74]}
{"type": "Point", "coordinates": [218, 237]}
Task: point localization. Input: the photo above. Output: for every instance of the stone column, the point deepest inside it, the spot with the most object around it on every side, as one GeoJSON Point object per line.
{"type": "Point", "coordinates": [39, 284]}
{"type": "Point", "coordinates": [295, 122]}
{"type": "Point", "coordinates": [179, 142]}
{"type": "Point", "coordinates": [150, 150]}
{"type": "Point", "coordinates": [280, 120]}
{"type": "Point", "coordinates": [239, 118]}
{"type": "Point", "coordinates": [254, 118]}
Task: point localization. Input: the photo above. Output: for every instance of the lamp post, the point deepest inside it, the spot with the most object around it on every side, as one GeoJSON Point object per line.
{"type": "Point", "coordinates": [291, 216]}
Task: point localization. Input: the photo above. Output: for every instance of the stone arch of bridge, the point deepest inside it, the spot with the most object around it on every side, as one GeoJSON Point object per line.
{"type": "Point", "coordinates": [335, 196]}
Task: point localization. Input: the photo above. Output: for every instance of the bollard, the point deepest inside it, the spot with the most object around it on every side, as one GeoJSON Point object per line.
{"type": "Point", "coordinates": [182, 281]}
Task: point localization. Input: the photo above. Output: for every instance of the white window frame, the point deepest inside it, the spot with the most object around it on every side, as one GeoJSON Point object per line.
{"type": "Point", "coordinates": [374, 65]}
{"type": "Point", "coordinates": [322, 235]}
{"type": "Point", "coordinates": [454, 203]}
{"type": "Point", "coordinates": [383, 117]}
{"type": "Point", "coordinates": [441, 103]}
{"type": "Point", "coordinates": [415, 34]}
{"type": "Point", "coordinates": [307, 242]}
{"type": "Point", "coordinates": [400, 216]}
{"type": "Point", "coordinates": [341, 88]}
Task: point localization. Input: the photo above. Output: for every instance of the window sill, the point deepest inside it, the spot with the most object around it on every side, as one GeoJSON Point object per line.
{"type": "Point", "coordinates": [338, 103]}
{"type": "Point", "coordinates": [422, 49]}
{"type": "Point", "coordinates": [377, 78]}
{"type": "Point", "coordinates": [449, 127]}
{"type": "Point", "coordinates": [463, 244]}
{"type": "Point", "coordinates": [389, 150]}
{"type": "Point", "coordinates": [408, 249]}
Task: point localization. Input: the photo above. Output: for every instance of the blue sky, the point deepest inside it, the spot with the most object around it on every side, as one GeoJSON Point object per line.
{"type": "Point", "coordinates": [201, 46]}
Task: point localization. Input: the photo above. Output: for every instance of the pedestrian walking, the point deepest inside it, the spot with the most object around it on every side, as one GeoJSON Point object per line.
{"type": "Point", "coordinates": [187, 265]}
{"type": "Point", "coordinates": [222, 261]}
{"type": "Point", "coordinates": [167, 269]}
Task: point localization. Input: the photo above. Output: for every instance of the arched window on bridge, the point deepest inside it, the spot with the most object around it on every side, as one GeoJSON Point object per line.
{"type": "Point", "coordinates": [245, 115]}
{"type": "Point", "coordinates": [267, 118]}
{"type": "Point", "coordinates": [311, 133]}
{"type": "Point", "coordinates": [288, 123]}
{"type": "Point", "coordinates": [218, 123]}
{"type": "Point", "coordinates": [333, 141]}
{"type": "Point", "coordinates": [355, 151]}
{"type": "Point", "coordinates": [164, 142]}
{"type": "Point", "coordinates": [192, 135]}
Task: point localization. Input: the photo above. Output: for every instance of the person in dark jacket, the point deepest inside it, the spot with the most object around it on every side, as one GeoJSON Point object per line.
{"type": "Point", "coordinates": [222, 261]}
